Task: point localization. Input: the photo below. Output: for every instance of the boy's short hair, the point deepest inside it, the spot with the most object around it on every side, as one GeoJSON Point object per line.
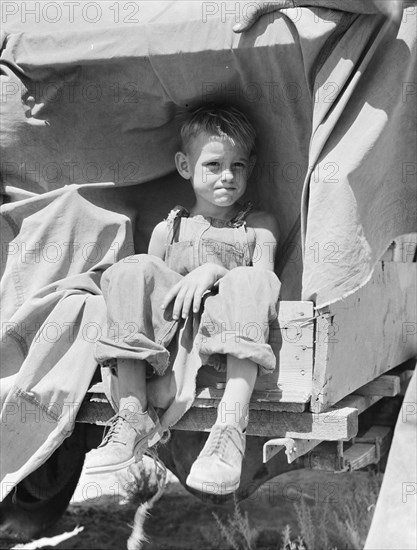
{"type": "Point", "coordinates": [221, 121]}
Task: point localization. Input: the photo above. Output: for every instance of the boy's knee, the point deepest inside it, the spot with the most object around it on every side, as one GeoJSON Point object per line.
{"type": "Point", "coordinates": [254, 279]}
{"type": "Point", "coordinates": [251, 274]}
{"type": "Point", "coordinates": [131, 267]}
{"type": "Point", "coordinates": [239, 272]}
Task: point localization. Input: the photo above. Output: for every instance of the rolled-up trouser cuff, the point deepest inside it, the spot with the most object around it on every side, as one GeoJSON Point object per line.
{"type": "Point", "coordinates": [157, 357]}
{"type": "Point", "coordinates": [137, 327]}
{"type": "Point", "coordinates": [261, 354]}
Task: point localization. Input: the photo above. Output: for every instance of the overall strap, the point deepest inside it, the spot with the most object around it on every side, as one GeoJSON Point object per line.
{"type": "Point", "coordinates": [242, 232]}
{"type": "Point", "coordinates": [241, 216]}
{"type": "Point", "coordinates": [174, 222]}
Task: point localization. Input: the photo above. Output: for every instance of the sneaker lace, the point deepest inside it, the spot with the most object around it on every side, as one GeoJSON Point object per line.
{"type": "Point", "coordinates": [221, 436]}
{"type": "Point", "coordinates": [112, 427]}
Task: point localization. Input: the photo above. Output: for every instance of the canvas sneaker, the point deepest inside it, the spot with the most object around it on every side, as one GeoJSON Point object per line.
{"type": "Point", "coordinates": [129, 435]}
{"type": "Point", "coordinates": [219, 465]}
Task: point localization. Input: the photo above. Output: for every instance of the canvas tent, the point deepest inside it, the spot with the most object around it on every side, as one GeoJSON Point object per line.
{"type": "Point", "coordinates": [93, 97]}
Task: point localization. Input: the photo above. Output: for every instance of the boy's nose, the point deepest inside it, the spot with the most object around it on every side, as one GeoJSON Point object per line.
{"type": "Point", "coordinates": [227, 175]}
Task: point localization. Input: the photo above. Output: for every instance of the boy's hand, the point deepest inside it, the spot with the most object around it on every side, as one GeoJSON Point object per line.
{"type": "Point", "coordinates": [261, 9]}
{"type": "Point", "coordinates": [189, 291]}
{"type": "Point", "coordinates": [391, 8]}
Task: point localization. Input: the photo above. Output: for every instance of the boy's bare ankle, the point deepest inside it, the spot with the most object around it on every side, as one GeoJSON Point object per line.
{"type": "Point", "coordinates": [133, 404]}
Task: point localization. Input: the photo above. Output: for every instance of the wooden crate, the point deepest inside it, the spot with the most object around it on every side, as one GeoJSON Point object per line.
{"type": "Point", "coordinates": [365, 335]}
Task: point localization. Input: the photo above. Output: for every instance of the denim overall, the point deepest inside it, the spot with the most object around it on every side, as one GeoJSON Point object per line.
{"type": "Point", "coordinates": [234, 318]}
{"type": "Point", "coordinates": [193, 241]}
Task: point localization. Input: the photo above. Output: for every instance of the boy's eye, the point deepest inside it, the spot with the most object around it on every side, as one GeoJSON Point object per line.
{"type": "Point", "coordinates": [213, 164]}
{"type": "Point", "coordinates": [240, 165]}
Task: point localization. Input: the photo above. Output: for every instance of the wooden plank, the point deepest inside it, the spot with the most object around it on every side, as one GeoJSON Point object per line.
{"type": "Point", "coordinates": [330, 456]}
{"type": "Point", "coordinates": [332, 425]}
{"type": "Point", "coordinates": [210, 397]}
{"type": "Point", "coordinates": [292, 341]}
{"type": "Point", "coordinates": [358, 402]}
{"type": "Point", "coordinates": [340, 422]}
{"type": "Point", "coordinates": [360, 455]}
{"type": "Point", "coordinates": [405, 378]}
{"type": "Point", "coordinates": [294, 448]}
{"type": "Point", "coordinates": [324, 457]}
{"type": "Point", "coordinates": [260, 400]}
{"type": "Point", "coordinates": [368, 448]}
{"type": "Point", "coordinates": [95, 412]}
{"type": "Point", "coordinates": [387, 385]}
{"type": "Point", "coordinates": [379, 433]}
{"type": "Point", "coordinates": [365, 335]}
{"type": "Point", "coordinates": [262, 406]}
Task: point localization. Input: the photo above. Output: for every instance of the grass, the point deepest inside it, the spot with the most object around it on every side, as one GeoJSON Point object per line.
{"type": "Point", "coordinates": [237, 532]}
{"type": "Point", "coordinates": [322, 525]}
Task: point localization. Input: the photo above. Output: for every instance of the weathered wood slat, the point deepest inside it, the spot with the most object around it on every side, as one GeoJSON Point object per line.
{"type": "Point", "coordinates": [379, 433]}
{"type": "Point", "coordinates": [360, 455]}
{"type": "Point", "coordinates": [405, 378]}
{"type": "Point", "coordinates": [260, 400]}
{"type": "Point", "coordinates": [324, 457]}
{"type": "Point", "coordinates": [281, 424]}
{"type": "Point", "coordinates": [367, 449]}
{"type": "Point", "coordinates": [210, 397]}
{"type": "Point", "coordinates": [95, 413]}
{"type": "Point", "coordinates": [387, 385]}
{"type": "Point", "coordinates": [257, 406]}
{"type": "Point", "coordinates": [359, 402]}
{"type": "Point", "coordinates": [294, 448]}
{"type": "Point", "coordinates": [340, 422]}
{"type": "Point", "coordinates": [293, 345]}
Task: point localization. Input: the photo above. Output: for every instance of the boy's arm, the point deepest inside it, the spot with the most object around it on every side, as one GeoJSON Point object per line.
{"type": "Point", "coordinates": [267, 236]}
{"type": "Point", "coordinates": [157, 243]}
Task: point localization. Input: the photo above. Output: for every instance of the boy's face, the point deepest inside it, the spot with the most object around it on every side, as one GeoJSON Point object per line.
{"type": "Point", "coordinates": [218, 168]}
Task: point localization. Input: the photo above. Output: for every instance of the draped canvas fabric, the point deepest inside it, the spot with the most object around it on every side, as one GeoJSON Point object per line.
{"type": "Point", "coordinates": [93, 97]}
{"type": "Point", "coordinates": [52, 313]}
{"type": "Point", "coordinates": [331, 94]}
{"type": "Point", "coordinates": [361, 184]}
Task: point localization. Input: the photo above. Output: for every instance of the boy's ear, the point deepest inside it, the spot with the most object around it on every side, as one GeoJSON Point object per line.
{"type": "Point", "coordinates": [181, 162]}
{"type": "Point", "coordinates": [252, 162]}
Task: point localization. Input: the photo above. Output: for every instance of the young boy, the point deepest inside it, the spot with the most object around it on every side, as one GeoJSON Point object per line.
{"type": "Point", "coordinates": [215, 262]}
